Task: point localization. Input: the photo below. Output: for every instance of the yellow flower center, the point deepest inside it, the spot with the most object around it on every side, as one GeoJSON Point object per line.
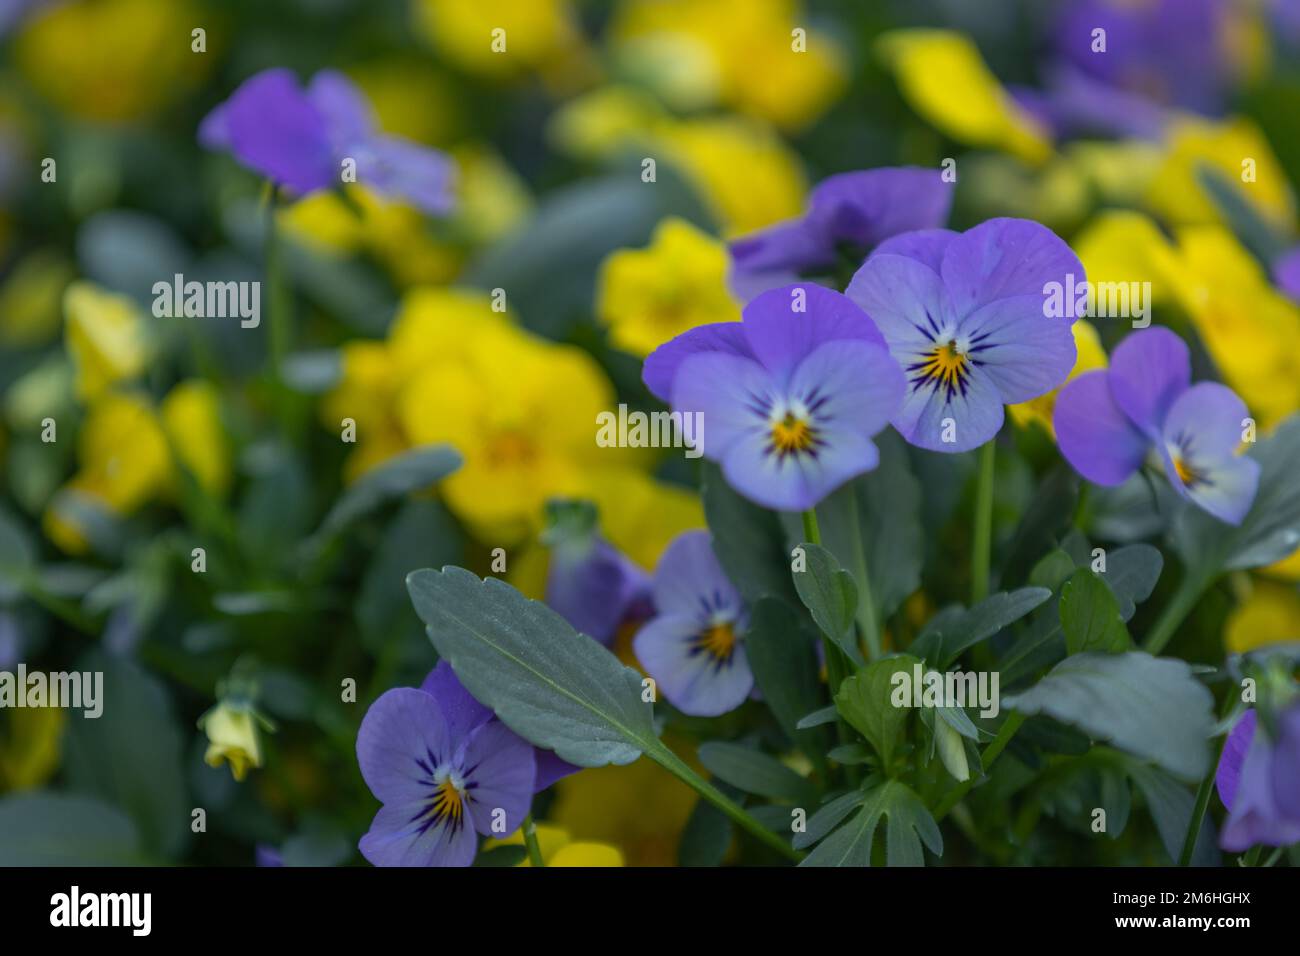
{"type": "Point", "coordinates": [718, 641]}
{"type": "Point", "coordinates": [448, 804]}
{"type": "Point", "coordinates": [1187, 474]}
{"type": "Point", "coordinates": [791, 433]}
{"type": "Point", "coordinates": [946, 365]}
{"type": "Point", "coordinates": [511, 448]}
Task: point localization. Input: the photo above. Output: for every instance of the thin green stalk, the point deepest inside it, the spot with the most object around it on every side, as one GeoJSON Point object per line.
{"type": "Point", "coordinates": [1180, 605]}
{"type": "Point", "coordinates": [674, 764]}
{"type": "Point", "coordinates": [983, 526]}
{"type": "Point", "coordinates": [1252, 858]}
{"type": "Point", "coordinates": [278, 297]}
{"type": "Point", "coordinates": [530, 842]}
{"type": "Point", "coordinates": [1199, 807]}
{"type": "Point", "coordinates": [990, 754]}
{"type": "Point", "coordinates": [811, 530]}
{"type": "Point", "coordinates": [866, 612]}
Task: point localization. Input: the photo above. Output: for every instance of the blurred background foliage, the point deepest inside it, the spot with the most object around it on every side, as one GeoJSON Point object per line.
{"type": "Point", "coordinates": [172, 434]}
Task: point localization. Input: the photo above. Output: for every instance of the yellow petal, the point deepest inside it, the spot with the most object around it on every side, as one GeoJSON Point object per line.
{"type": "Point", "coordinates": [1270, 615]}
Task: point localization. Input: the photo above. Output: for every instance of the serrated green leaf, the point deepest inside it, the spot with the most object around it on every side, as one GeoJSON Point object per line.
{"type": "Point", "coordinates": [908, 824]}
{"type": "Point", "coordinates": [827, 818]}
{"type": "Point", "coordinates": [551, 685]}
{"type": "Point", "coordinates": [1151, 707]}
{"type": "Point", "coordinates": [1090, 616]}
{"type": "Point", "coordinates": [864, 701]}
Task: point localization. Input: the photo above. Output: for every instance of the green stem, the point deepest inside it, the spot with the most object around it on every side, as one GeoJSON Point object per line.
{"type": "Point", "coordinates": [1180, 605]}
{"type": "Point", "coordinates": [983, 531]}
{"type": "Point", "coordinates": [866, 613]}
{"type": "Point", "coordinates": [1199, 807]}
{"type": "Point", "coordinates": [674, 764]}
{"type": "Point", "coordinates": [991, 753]}
{"type": "Point", "coordinates": [1252, 858]}
{"type": "Point", "coordinates": [530, 842]}
{"type": "Point", "coordinates": [811, 530]}
{"type": "Point", "coordinates": [278, 297]}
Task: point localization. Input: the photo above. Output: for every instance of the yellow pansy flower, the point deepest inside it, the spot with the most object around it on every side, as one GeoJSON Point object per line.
{"type": "Point", "coordinates": [1090, 356]}
{"type": "Point", "coordinates": [752, 55]}
{"type": "Point", "coordinates": [536, 33]}
{"type": "Point", "coordinates": [30, 746]}
{"type": "Point", "coordinates": [233, 738]}
{"type": "Point", "coordinates": [31, 300]}
{"type": "Point", "coordinates": [597, 124]}
{"type": "Point", "coordinates": [1234, 148]}
{"type": "Point", "coordinates": [1125, 246]}
{"type": "Point", "coordinates": [1270, 615]}
{"type": "Point", "coordinates": [558, 848]}
{"type": "Point", "coordinates": [648, 296]}
{"type": "Point", "coordinates": [746, 175]}
{"type": "Point", "coordinates": [105, 336]}
{"type": "Point", "coordinates": [191, 418]}
{"type": "Point", "coordinates": [943, 77]}
{"type": "Point", "coordinates": [112, 60]}
{"type": "Point", "coordinates": [1288, 568]}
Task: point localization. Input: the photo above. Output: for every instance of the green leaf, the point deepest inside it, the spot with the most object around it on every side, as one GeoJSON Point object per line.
{"type": "Point", "coordinates": [864, 701]}
{"type": "Point", "coordinates": [1090, 616]}
{"type": "Point", "coordinates": [1042, 524]}
{"type": "Point", "coordinates": [908, 825]}
{"type": "Point", "coordinates": [872, 525]}
{"type": "Point", "coordinates": [747, 539]}
{"type": "Point", "coordinates": [1151, 707]}
{"type": "Point", "coordinates": [551, 685]}
{"type": "Point", "coordinates": [1052, 570]}
{"type": "Point", "coordinates": [818, 718]}
{"type": "Point", "coordinates": [755, 772]}
{"type": "Point", "coordinates": [1131, 574]}
{"type": "Point", "coordinates": [16, 558]}
{"type": "Point", "coordinates": [705, 838]}
{"type": "Point", "coordinates": [947, 638]}
{"type": "Point", "coordinates": [132, 755]}
{"type": "Point", "coordinates": [831, 597]}
{"type": "Point", "coordinates": [57, 829]}
{"type": "Point", "coordinates": [1255, 232]}
{"type": "Point", "coordinates": [410, 471]}
{"type": "Point", "coordinates": [783, 657]}
{"type": "Point", "coordinates": [510, 854]}
{"type": "Point", "coordinates": [1171, 804]}
{"type": "Point", "coordinates": [1271, 530]}
{"type": "Point", "coordinates": [827, 818]}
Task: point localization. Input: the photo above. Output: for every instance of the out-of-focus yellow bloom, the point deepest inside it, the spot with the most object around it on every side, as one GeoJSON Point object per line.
{"type": "Point", "coordinates": [233, 738]}
{"type": "Point", "coordinates": [639, 807]}
{"type": "Point", "coordinates": [597, 124]}
{"type": "Point", "coordinates": [1232, 148]}
{"type": "Point", "coordinates": [31, 300]}
{"type": "Point", "coordinates": [191, 418]}
{"type": "Point", "coordinates": [1270, 615]}
{"type": "Point", "coordinates": [743, 53]}
{"type": "Point", "coordinates": [112, 60]}
{"type": "Point", "coordinates": [410, 98]}
{"type": "Point", "coordinates": [1288, 568]}
{"type": "Point", "coordinates": [1118, 173]}
{"type": "Point", "coordinates": [522, 412]}
{"type": "Point", "coordinates": [648, 296]}
{"type": "Point", "coordinates": [1090, 356]}
{"type": "Point", "coordinates": [748, 177]}
{"type": "Point", "coordinates": [943, 77]}
{"type": "Point", "coordinates": [559, 849]}
{"type": "Point", "coordinates": [1250, 330]}
{"type": "Point", "coordinates": [537, 33]}
{"type": "Point", "coordinates": [105, 337]}
{"type": "Point", "coordinates": [30, 747]}
{"type": "Point", "coordinates": [1125, 246]}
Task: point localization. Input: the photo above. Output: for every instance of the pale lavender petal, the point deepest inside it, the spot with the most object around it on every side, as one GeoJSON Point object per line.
{"type": "Point", "coordinates": [1255, 817]}
{"type": "Point", "coordinates": [1002, 258]}
{"type": "Point", "coordinates": [797, 482]}
{"type": "Point", "coordinates": [868, 206]}
{"type": "Point", "coordinates": [660, 368]}
{"type": "Point", "coordinates": [1286, 764]}
{"type": "Point", "coordinates": [688, 579]}
{"type": "Point", "coordinates": [1024, 352]}
{"type": "Point", "coordinates": [400, 169]}
{"type": "Point", "coordinates": [783, 326]}
{"type": "Point", "coordinates": [550, 768]}
{"type": "Point", "coordinates": [595, 586]}
{"type": "Point", "coordinates": [499, 770]}
{"type": "Point", "coordinates": [1202, 434]}
{"type": "Point", "coordinates": [692, 680]}
{"type": "Point", "coordinates": [924, 245]}
{"type": "Point", "coordinates": [1094, 435]}
{"type": "Point", "coordinates": [849, 387]}
{"type": "Point", "coordinates": [932, 413]}
{"type": "Point", "coordinates": [1148, 371]}
{"type": "Point", "coordinates": [403, 737]}
{"type": "Point", "coordinates": [907, 302]}
{"type": "Point", "coordinates": [730, 394]}
{"type": "Point", "coordinates": [459, 708]}
{"type": "Point", "coordinates": [401, 835]}
{"type": "Point", "coordinates": [347, 114]}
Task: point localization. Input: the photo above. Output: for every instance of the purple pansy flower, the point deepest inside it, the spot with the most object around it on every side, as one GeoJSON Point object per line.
{"type": "Point", "coordinates": [1286, 274]}
{"type": "Point", "coordinates": [300, 139]}
{"type": "Point", "coordinates": [591, 583]}
{"type": "Point", "coordinates": [1259, 782]}
{"type": "Point", "coordinates": [857, 210]}
{"type": "Point", "coordinates": [1109, 422]}
{"type": "Point", "coordinates": [694, 646]}
{"type": "Point", "coordinates": [443, 765]}
{"type": "Point", "coordinates": [965, 315]}
{"type": "Point", "coordinates": [790, 396]}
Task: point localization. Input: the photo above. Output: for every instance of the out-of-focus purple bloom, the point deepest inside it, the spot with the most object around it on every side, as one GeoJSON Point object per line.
{"type": "Point", "coordinates": [266, 855]}
{"type": "Point", "coordinates": [1109, 422]}
{"type": "Point", "coordinates": [1145, 70]}
{"type": "Point", "coordinates": [591, 583]}
{"type": "Point", "coordinates": [1286, 274]}
{"type": "Point", "coordinates": [443, 765]}
{"type": "Point", "coordinates": [300, 139]}
{"type": "Point", "coordinates": [966, 316]}
{"type": "Point", "coordinates": [790, 396]}
{"type": "Point", "coordinates": [1259, 782]}
{"type": "Point", "coordinates": [855, 210]}
{"type": "Point", "coordinates": [694, 646]}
